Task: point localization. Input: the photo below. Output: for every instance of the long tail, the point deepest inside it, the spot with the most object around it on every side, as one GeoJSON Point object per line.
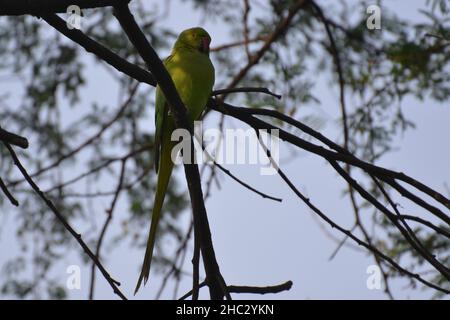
{"type": "Point", "coordinates": [164, 172]}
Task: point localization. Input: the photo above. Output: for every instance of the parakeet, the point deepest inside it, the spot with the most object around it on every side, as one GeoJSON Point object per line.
{"type": "Point", "coordinates": [193, 75]}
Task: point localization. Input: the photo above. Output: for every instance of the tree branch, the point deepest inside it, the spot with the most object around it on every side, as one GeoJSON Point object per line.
{"type": "Point", "coordinates": [245, 89]}
{"type": "Point", "coordinates": [134, 33]}
{"type": "Point", "coordinates": [105, 126]}
{"type": "Point", "coordinates": [14, 139]}
{"type": "Point", "coordinates": [113, 283]}
{"type": "Point", "coordinates": [8, 194]}
{"type": "Point", "coordinates": [237, 44]}
{"type": "Point", "coordinates": [420, 250]}
{"type": "Point", "coordinates": [109, 215]}
{"type": "Point", "coordinates": [99, 50]}
{"type": "Point", "coordinates": [249, 289]}
{"type": "Point", "coordinates": [245, 115]}
{"type": "Point", "coordinates": [280, 28]}
{"type": "Point", "coordinates": [344, 231]}
{"type": "Point", "coordinates": [36, 7]}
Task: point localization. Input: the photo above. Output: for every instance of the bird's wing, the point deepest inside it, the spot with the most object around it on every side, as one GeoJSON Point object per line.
{"type": "Point", "coordinates": [161, 110]}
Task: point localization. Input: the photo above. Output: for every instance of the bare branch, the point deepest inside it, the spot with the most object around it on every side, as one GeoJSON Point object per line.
{"type": "Point", "coordinates": [245, 115]}
{"type": "Point", "coordinates": [109, 215]}
{"type": "Point", "coordinates": [422, 251]}
{"type": "Point", "coordinates": [99, 50]}
{"type": "Point", "coordinates": [88, 141]}
{"type": "Point", "coordinates": [232, 176]}
{"type": "Point", "coordinates": [8, 194]}
{"type": "Point", "coordinates": [36, 7]}
{"type": "Point", "coordinates": [180, 252]}
{"type": "Point", "coordinates": [280, 29]}
{"type": "Point", "coordinates": [113, 283]}
{"type": "Point", "coordinates": [238, 43]}
{"type": "Point", "coordinates": [245, 89]}
{"type": "Point", "coordinates": [13, 139]}
{"type": "Point", "coordinates": [344, 231]}
{"type": "Point", "coordinates": [246, 31]}
{"type": "Point", "coordinates": [249, 289]}
{"type": "Point", "coordinates": [134, 33]}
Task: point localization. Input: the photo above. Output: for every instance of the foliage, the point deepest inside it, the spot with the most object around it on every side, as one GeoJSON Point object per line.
{"type": "Point", "coordinates": [380, 67]}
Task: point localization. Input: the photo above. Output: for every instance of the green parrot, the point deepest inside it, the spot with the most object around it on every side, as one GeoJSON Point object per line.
{"type": "Point", "coordinates": [193, 75]}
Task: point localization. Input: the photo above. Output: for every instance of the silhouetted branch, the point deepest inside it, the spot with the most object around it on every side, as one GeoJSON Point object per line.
{"type": "Point", "coordinates": [218, 288]}
{"type": "Point", "coordinates": [232, 176]}
{"type": "Point", "coordinates": [113, 283]}
{"type": "Point", "coordinates": [419, 201]}
{"type": "Point", "coordinates": [8, 194]}
{"type": "Point", "coordinates": [417, 246]}
{"type": "Point", "coordinates": [261, 290]}
{"type": "Point", "coordinates": [245, 29]}
{"type": "Point", "coordinates": [246, 115]}
{"type": "Point", "coordinates": [249, 289]}
{"type": "Point", "coordinates": [99, 50]}
{"type": "Point", "coordinates": [109, 215]}
{"type": "Point", "coordinates": [436, 36]}
{"type": "Point", "coordinates": [245, 89]}
{"type": "Point", "coordinates": [100, 167]}
{"type": "Point", "coordinates": [181, 249]}
{"type": "Point", "coordinates": [338, 64]}
{"type": "Point", "coordinates": [427, 223]}
{"type": "Point", "coordinates": [36, 7]}
{"type": "Point", "coordinates": [196, 265]}
{"type": "Point", "coordinates": [280, 29]}
{"type": "Point", "coordinates": [344, 231]}
{"type": "Point", "coordinates": [89, 140]}
{"type": "Point", "coordinates": [134, 33]}
{"type": "Point", "coordinates": [238, 43]}
{"type": "Point", "coordinates": [14, 139]}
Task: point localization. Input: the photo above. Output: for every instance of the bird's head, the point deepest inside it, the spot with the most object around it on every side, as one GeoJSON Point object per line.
{"type": "Point", "coordinates": [194, 38]}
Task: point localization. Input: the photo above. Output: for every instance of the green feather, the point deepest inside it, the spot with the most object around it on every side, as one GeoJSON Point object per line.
{"type": "Point", "coordinates": [193, 75]}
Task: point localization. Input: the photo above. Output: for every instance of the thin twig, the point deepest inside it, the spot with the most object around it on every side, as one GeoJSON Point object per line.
{"type": "Point", "coordinates": [182, 248]}
{"type": "Point", "coordinates": [423, 252]}
{"type": "Point", "coordinates": [109, 215]}
{"type": "Point", "coordinates": [232, 176]}
{"type": "Point", "coordinates": [146, 51]}
{"type": "Point", "coordinates": [245, 89]}
{"type": "Point", "coordinates": [246, 31]}
{"type": "Point", "coordinates": [248, 289]}
{"type": "Point", "coordinates": [98, 168]}
{"type": "Point", "coordinates": [245, 115]}
{"type": "Point", "coordinates": [113, 283]}
{"type": "Point", "coordinates": [8, 194]}
{"type": "Point", "coordinates": [13, 139]}
{"type": "Point", "coordinates": [442, 231]}
{"type": "Point", "coordinates": [88, 141]}
{"type": "Point", "coordinates": [238, 44]}
{"type": "Point", "coordinates": [21, 7]}
{"type": "Point", "coordinates": [344, 231]}
{"type": "Point", "coordinates": [280, 29]}
{"type": "Point", "coordinates": [196, 265]}
{"type": "Point", "coordinates": [99, 50]}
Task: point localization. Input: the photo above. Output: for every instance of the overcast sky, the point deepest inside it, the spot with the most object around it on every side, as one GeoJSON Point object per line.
{"type": "Point", "coordinates": [261, 242]}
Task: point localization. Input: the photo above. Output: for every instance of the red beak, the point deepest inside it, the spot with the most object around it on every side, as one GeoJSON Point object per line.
{"type": "Point", "coordinates": [205, 44]}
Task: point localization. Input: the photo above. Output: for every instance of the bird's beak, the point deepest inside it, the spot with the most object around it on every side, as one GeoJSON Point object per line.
{"type": "Point", "coordinates": [204, 47]}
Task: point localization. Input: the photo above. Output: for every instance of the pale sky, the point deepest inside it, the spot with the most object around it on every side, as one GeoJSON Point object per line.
{"type": "Point", "coordinates": [260, 242]}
